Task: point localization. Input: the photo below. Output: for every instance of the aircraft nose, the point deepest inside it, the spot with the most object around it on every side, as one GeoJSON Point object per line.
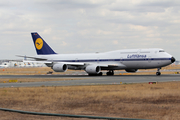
{"type": "Point", "coordinates": [173, 59]}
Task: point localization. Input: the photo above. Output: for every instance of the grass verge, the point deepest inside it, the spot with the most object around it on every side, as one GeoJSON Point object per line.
{"type": "Point", "coordinates": [21, 80]}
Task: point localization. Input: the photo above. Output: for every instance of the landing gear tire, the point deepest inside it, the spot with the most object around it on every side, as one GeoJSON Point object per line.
{"type": "Point", "coordinates": [110, 73]}
{"type": "Point", "coordinates": [158, 73]}
{"type": "Point", "coordinates": [100, 74]}
{"type": "Point", "coordinates": [91, 74]}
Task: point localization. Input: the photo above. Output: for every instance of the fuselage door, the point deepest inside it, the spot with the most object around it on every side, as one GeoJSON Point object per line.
{"type": "Point", "coordinates": [98, 60]}
{"type": "Point", "coordinates": [121, 59]}
{"type": "Point", "coordinates": [76, 60]}
{"type": "Point", "coordinates": [149, 59]}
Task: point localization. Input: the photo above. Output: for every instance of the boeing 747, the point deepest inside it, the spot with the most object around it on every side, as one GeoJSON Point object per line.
{"type": "Point", "coordinates": [129, 60]}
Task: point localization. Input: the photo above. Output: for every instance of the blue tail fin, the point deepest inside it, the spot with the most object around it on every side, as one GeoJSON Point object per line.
{"type": "Point", "coordinates": [42, 48]}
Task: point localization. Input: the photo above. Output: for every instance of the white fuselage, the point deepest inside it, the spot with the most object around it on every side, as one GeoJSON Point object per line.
{"type": "Point", "coordinates": [121, 59]}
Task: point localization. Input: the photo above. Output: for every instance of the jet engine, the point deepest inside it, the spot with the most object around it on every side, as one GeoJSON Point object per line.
{"type": "Point", "coordinates": [92, 69]}
{"type": "Point", "coordinates": [59, 67]}
{"type": "Point", "coordinates": [131, 70]}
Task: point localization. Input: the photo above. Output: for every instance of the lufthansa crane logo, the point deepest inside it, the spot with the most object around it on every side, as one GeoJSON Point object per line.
{"type": "Point", "coordinates": [39, 43]}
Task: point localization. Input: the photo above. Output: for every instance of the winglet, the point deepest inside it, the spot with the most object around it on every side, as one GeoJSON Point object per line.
{"type": "Point", "coordinates": [42, 48]}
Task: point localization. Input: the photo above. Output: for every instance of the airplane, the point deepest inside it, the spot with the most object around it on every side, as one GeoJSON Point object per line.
{"type": "Point", "coordinates": [4, 65]}
{"type": "Point", "coordinates": [129, 60]}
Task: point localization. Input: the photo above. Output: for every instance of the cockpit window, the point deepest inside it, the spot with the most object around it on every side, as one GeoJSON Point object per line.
{"type": "Point", "coordinates": [161, 51]}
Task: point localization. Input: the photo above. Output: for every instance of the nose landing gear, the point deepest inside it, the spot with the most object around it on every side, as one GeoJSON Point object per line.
{"type": "Point", "coordinates": [158, 72]}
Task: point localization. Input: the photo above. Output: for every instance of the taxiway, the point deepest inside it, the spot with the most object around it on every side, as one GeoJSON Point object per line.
{"type": "Point", "coordinates": [88, 80]}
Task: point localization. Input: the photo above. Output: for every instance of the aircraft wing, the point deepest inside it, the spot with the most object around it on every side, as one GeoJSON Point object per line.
{"type": "Point", "coordinates": [78, 63]}
{"type": "Point", "coordinates": [68, 63]}
{"type": "Point", "coordinates": [74, 63]}
{"type": "Point", "coordinates": [36, 58]}
{"type": "Point", "coordinates": [36, 61]}
{"type": "Point", "coordinates": [111, 65]}
{"type": "Point", "coordinates": [101, 65]}
{"type": "Point", "coordinates": [45, 61]}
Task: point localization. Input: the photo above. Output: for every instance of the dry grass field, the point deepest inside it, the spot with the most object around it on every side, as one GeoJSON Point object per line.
{"type": "Point", "coordinates": [158, 101]}
{"type": "Point", "coordinates": [21, 80]}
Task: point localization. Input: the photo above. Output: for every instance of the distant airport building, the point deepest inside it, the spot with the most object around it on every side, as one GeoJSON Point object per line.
{"type": "Point", "coordinates": [19, 63]}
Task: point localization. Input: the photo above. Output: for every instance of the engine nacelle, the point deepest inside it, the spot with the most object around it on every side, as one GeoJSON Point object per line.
{"type": "Point", "coordinates": [131, 70]}
{"type": "Point", "coordinates": [92, 69]}
{"type": "Point", "coordinates": [59, 67]}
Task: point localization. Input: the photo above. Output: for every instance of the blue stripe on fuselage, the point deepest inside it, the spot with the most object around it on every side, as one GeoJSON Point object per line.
{"type": "Point", "coordinates": [110, 60]}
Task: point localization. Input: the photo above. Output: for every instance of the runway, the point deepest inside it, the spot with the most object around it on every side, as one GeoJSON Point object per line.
{"type": "Point", "coordinates": [88, 80]}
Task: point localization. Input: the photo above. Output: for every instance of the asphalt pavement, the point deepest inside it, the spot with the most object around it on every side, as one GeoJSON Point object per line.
{"type": "Point", "coordinates": [88, 80]}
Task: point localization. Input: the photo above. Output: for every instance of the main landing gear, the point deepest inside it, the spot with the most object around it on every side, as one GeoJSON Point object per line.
{"type": "Point", "coordinates": [158, 72]}
{"type": "Point", "coordinates": [110, 73]}
{"type": "Point", "coordinates": [100, 74]}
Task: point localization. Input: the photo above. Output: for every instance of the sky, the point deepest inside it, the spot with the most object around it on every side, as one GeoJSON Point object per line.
{"type": "Point", "coordinates": [89, 26]}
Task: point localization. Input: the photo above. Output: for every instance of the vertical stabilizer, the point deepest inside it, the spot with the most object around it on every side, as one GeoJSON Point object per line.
{"type": "Point", "coordinates": [42, 48]}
